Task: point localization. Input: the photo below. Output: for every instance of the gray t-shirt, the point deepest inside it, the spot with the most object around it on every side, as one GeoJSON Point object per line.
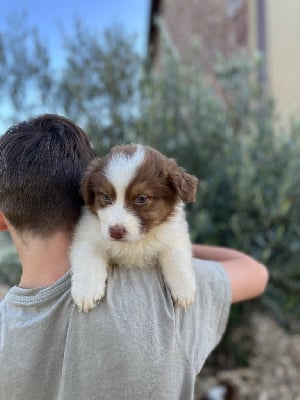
{"type": "Point", "coordinates": [135, 345]}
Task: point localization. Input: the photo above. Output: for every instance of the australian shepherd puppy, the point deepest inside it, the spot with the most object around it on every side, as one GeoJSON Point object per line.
{"type": "Point", "coordinates": [134, 217]}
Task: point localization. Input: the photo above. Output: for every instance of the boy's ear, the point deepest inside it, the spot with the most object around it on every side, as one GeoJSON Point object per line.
{"type": "Point", "coordinates": [3, 225]}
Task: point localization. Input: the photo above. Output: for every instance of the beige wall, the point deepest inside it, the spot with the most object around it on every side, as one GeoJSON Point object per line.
{"type": "Point", "coordinates": [283, 54]}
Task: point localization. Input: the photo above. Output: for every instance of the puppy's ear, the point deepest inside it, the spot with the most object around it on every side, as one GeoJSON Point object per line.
{"type": "Point", "coordinates": [86, 190]}
{"type": "Point", "coordinates": [184, 184]}
{"type": "Point", "coordinates": [87, 186]}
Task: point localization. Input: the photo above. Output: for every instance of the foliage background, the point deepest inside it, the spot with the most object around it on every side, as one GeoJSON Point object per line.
{"type": "Point", "coordinates": [223, 129]}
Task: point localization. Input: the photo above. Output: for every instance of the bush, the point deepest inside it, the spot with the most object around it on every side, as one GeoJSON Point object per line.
{"type": "Point", "coordinates": [224, 130]}
{"type": "Point", "coordinates": [10, 270]}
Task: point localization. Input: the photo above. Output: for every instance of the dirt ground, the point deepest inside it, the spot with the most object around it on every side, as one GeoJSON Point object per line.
{"type": "Point", "coordinates": [274, 371]}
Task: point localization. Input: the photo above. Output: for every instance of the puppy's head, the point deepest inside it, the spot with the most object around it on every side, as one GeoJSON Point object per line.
{"type": "Point", "coordinates": [133, 189]}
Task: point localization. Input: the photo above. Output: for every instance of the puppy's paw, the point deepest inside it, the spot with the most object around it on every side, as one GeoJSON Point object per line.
{"type": "Point", "coordinates": [183, 293]}
{"type": "Point", "coordinates": [184, 301]}
{"type": "Point", "coordinates": [87, 297]}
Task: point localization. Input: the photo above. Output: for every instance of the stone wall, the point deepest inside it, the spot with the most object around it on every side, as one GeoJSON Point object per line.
{"type": "Point", "coordinates": [217, 25]}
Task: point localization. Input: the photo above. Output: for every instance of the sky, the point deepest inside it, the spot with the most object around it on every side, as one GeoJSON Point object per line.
{"type": "Point", "coordinates": [48, 15]}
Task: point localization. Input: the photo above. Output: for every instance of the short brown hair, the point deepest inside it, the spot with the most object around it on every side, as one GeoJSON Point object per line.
{"type": "Point", "coordinates": [41, 164]}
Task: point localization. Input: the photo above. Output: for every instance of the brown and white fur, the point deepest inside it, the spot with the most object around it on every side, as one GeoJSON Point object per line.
{"type": "Point", "coordinates": [134, 217]}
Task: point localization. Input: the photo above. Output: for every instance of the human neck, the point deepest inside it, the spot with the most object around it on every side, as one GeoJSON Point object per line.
{"type": "Point", "coordinates": [43, 260]}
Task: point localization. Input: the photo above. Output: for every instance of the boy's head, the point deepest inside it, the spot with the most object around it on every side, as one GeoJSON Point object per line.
{"type": "Point", "coordinates": [41, 165]}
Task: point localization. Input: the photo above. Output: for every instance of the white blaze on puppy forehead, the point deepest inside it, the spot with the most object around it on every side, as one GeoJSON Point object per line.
{"type": "Point", "coordinates": [122, 168]}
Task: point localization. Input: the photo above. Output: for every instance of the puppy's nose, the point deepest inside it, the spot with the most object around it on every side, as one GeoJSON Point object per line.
{"type": "Point", "coordinates": [117, 232]}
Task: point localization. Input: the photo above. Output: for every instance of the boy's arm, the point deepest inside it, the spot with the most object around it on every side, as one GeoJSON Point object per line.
{"type": "Point", "coordinates": [248, 277]}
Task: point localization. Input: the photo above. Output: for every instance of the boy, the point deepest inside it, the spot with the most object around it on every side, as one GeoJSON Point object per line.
{"type": "Point", "coordinates": [135, 344]}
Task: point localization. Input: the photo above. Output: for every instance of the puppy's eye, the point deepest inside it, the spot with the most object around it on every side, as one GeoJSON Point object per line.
{"type": "Point", "coordinates": [142, 199]}
{"type": "Point", "coordinates": [106, 198]}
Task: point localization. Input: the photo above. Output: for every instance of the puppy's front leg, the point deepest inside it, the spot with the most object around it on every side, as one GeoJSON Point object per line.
{"type": "Point", "coordinates": [179, 274]}
{"type": "Point", "coordinates": [89, 275]}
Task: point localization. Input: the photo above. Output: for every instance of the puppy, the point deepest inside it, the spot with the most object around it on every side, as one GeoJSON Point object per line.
{"type": "Point", "coordinates": [134, 217]}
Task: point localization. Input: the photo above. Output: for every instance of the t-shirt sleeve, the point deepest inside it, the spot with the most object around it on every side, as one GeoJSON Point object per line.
{"type": "Point", "coordinates": [201, 326]}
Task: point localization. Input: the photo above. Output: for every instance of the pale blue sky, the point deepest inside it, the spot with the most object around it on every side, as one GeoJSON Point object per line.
{"type": "Point", "coordinates": [47, 15]}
